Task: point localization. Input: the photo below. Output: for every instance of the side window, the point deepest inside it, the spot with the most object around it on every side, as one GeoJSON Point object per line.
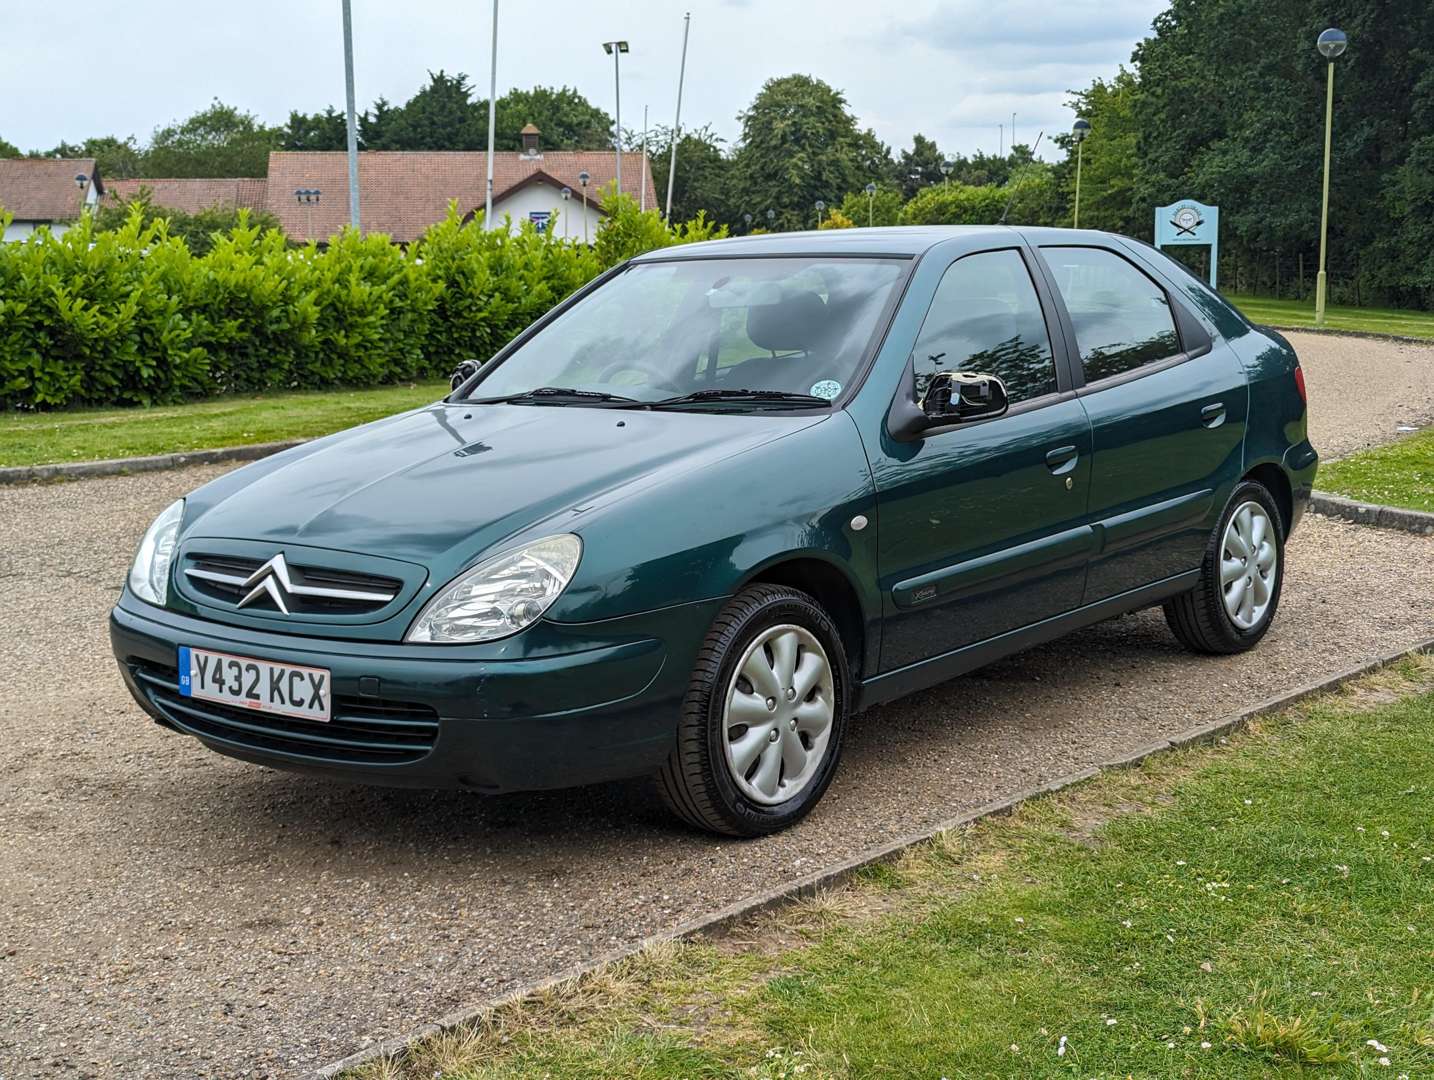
{"type": "Point", "coordinates": [1122, 318]}
{"type": "Point", "coordinates": [986, 317]}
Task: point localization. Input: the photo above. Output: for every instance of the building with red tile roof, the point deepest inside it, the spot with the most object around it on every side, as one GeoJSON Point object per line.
{"type": "Point", "coordinates": [46, 191]}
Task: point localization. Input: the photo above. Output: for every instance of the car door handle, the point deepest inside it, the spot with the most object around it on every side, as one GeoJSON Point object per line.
{"type": "Point", "coordinates": [1062, 460]}
{"type": "Point", "coordinates": [1213, 415]}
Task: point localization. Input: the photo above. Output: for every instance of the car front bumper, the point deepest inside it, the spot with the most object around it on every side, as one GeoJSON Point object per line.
{"type": "Point", "coordinates": [570, 704]}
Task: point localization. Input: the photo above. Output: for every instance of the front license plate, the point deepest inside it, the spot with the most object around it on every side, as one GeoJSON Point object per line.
{"type": "Point", "coordinates": [261, 685]}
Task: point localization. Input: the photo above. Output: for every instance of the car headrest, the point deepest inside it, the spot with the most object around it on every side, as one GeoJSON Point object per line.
{"type": "Point", "coordinates": [796, 322]}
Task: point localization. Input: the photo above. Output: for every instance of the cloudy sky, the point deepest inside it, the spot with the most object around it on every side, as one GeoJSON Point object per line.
{"type": "Point", "coordinates": [951, 69]}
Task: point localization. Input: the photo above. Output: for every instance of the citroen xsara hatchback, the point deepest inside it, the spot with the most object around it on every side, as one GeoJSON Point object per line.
{"type": "Point", "coordinates": [721, 499]}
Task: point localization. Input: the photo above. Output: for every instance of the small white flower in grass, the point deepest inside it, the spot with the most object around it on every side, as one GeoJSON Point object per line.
{"type": "Point", "coordinates": [1377, 1045]}
{"type": "Point", "coordinates": [1316, 993]}
{"type": "Point", "coordinates": [1061, 1049]}
{"type": "Point", "coordinates": [1015, 1048]}
{"type": "Point", "coordinates": [1359, 828]}
{"type": "Point", "coordinates": [1179, 862]}
{"type": "Point", "coordinates": [1204, 1046]}
{"type": "Point", "coordinates": [1249, 802]}
{"type": "Point", "coordinates": [1020, 920]}
{"type": "Point", "coordinates": [1110, 1021]}
{"type": "Point", "coordinates": [1125, 923]}
{"type": "Point", "coordinates": [1205, 967]}
{"type": "Point", "coordinates": [1384, 1061]}
{"type": "Point", "coordinates": [1170, 1046]}
{"type": "Point", "coordinates": [1384, 833]}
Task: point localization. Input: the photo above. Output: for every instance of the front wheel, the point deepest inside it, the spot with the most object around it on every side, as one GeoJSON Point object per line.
{"type": "Point", "coordinates": [762, 722]}
{"type": "Point", "coordinates": [1234, 603]}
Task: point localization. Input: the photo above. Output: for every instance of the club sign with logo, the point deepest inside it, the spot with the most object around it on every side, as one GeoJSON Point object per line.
{"type": "Point", "coordinates": [1190, 222]}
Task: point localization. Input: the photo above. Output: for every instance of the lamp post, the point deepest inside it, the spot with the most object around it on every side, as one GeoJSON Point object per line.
{"type": "Point", "coordinates": [1079, 130]}
{"type": "Point", "coordinates": [747, 221]}
{"type": "Point", "coordinates": [615, 49]}
{"type": "Point", "coordinates": [820, 207]}
{"type": "Point", "coordinates": [566, 193]}
{"type": "Point", "coordinates": [870, 201]}
{"type": "Point", "coordinates": [582, 180]}
{"type": "Point", "coordinates": [308, 197]}
{"type": "Point", "coordinates": [350, 123]}
{"type": "Point", "coordinates": [946, 166]}
{"type": "Point", "coordinates": [771, 220]}
{"type": "Point", "coordinates": [1331, 44]}
{"type": "Point", "coordinates": [492, 119]}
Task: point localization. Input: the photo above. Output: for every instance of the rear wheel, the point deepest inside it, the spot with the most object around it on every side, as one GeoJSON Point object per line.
{"type": "Point", "coordinates": [1232, 607]}
{"type": "Point", "coordinates": [761, 725]}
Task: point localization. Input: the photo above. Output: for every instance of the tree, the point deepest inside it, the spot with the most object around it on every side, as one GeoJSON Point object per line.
{"type": "Point", "coordinates": [956, 204]}
{"type": "Point", "coordinates": [217, 141]}
{"type": "Point", "coordinates": [1111, 165]}
{"type": "Point", "coordinates": [441, 116]}
{"type": "Point", "coordinates": [919, 166]}
{"type": "Point", "coordinates": [567, 120]}
{"type": "Point", "coordinates": [9, 149]}
{"type": "Point", "coordinates": [327, 130]}
{"type": "Point", "coordinates": [704, 175]}
{"type": "Point", "coordinates": [800, 144]}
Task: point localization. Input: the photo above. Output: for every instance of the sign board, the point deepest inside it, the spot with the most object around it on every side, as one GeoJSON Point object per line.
{"type": "Point", "coordinates": [540, 219]}
{"type": "Point", "coordinates": [1190, 222]}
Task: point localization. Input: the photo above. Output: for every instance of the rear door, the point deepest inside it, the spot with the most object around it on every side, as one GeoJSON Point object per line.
{"type": "Point", "coordinates": [1167, 406]}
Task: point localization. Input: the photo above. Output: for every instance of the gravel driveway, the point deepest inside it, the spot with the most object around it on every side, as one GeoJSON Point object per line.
{"type": "Point", "coordinates": [167, 912]}
{"type": "Point", "coordinates": [1362, 392]}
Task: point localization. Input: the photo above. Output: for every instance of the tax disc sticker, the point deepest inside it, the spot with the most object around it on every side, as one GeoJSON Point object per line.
{"type": "Point", "coordinates": [827, 388]}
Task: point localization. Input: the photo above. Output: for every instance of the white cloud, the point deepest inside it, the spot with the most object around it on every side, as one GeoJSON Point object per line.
{"type": "Point", "coordinates": [952, 69]}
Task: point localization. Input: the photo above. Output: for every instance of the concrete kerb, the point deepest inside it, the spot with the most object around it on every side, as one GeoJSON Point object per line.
{"type": "Point", "coordinates": [83, 470]}
{"type": "Point", "coordinates": [1376, 514]}
{"type": "Point", "coordinates": [841, 872]}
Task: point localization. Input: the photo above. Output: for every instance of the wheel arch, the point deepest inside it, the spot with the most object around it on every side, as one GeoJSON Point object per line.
{"type": "Point", "coordinates": [1273, 478]}
{"type": "Point", "coordinates": [832, 587]}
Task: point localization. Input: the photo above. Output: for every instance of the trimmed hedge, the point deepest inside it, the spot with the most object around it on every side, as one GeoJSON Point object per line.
{"type": "Point", "coordinates": [133, 317]}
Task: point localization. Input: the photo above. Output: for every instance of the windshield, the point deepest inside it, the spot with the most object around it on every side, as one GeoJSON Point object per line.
{"type": "Point", "coordinates": [670, 329]}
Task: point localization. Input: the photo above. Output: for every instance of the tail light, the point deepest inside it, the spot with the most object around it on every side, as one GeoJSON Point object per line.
{"type": "Point", "coordinates": [1300, 384]}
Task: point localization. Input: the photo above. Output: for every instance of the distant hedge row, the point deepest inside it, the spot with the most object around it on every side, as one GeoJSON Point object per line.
{"type": "Point", "coordinates": [134, 317]}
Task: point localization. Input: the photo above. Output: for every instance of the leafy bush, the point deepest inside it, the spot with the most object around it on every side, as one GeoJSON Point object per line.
{"type": "Point", "coordinates": [628, 231]}
{"type": "Point", "coordinates": [197, 230]}
{"type": "Point", "coordinates": [955, 204]}
{"type": "Point", "coordinates": [133, 316]}
{"type": "Point", "coordinates": [881, 208]}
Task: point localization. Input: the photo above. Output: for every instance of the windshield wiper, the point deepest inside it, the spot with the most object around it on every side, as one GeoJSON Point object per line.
{"type": "Point", "coordinates": [555, 395]}
{"type": "Point", "coordinates": [702, 397]}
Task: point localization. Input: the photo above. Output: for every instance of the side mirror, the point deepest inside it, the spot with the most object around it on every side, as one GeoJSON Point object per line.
{"type": "Point", "coordinates": [463, 372]}
{"type": "Point", "coordinates": [957, 396]}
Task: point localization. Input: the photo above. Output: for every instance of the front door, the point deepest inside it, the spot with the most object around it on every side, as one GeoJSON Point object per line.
{"type": "Point", "coordinates": [1168, 413]}
{"type": "Point", "coordinates": [983, 525]}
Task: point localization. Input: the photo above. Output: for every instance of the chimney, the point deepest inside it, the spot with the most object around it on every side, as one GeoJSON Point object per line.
{"type": "Point", "coordinates": [530, 135]}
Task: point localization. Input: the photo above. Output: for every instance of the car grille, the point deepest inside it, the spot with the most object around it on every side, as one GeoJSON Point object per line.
{"type": "Point", "coordinates": [221, 578]}
{"type": "Point", "coordinates": [369, 731]}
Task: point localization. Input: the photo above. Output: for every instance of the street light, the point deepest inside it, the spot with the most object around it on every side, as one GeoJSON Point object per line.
{"type": "Point", "coordinates": [747, 220]}
{"type": "Point", "coordinates": [1331, 44]}
{"type": "Point", "coordinates": [1079, 130]}
{"type": "Point", "coordinates": [946, 166]}
{"type": "Point", "coordinates": [583, 179]}
{"type": "Point", "coordinates": [771, 220]}
{"type": "Point", "coordinates": [615, 49]}
{"type": "Point", "coordinates": [870, 201]}
{"type": "Point", "coordinates": [566, 193]}
{"type": "Point", "coordinates": [308, 197]}
{"type": "Point", "coordinates": [820, 207]}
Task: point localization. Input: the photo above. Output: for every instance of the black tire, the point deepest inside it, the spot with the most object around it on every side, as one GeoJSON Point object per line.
{"type": "Point", "coordinates": [1198, 618]}
{"type": "Point", "coordinates": [696, 782]}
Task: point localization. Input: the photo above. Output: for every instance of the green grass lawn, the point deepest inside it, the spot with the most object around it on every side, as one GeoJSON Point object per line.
{"type": "Point", "coordinates": [1300, 315]}
{"type": "Point", "coordinates": [1398, 474]}
{"type": "Point", "coordinates": [1262, 908]}
{"type": "Point", "coordinates": [91, 434]}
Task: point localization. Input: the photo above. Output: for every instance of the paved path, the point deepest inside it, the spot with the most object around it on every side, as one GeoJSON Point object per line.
{"type": "Point", "coordinates": [167, 912]}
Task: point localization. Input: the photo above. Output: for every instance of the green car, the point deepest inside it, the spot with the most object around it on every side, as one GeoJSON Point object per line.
{"type": "Point", "coordinates": [721, 499]}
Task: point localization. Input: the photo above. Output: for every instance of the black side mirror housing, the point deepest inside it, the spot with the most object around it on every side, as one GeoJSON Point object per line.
{"type": "Point", "coordinates": [463, 372]}
{"type": "Point", "coordinates": [953, 397]}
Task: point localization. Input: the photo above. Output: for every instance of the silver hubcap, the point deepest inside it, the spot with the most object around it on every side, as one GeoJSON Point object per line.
{"type": "Point", "coordinates": [778, 718]}
{"type": "Point", "coordinates": [1248, 563]}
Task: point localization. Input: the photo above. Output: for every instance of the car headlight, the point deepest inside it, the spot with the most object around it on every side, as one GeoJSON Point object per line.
{"type": "Point", "coordinates": [501, 595]}
{"type": "Point", "coordinates": [149, 576]}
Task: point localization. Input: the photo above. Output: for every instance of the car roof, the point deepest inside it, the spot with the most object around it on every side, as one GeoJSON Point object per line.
{"type": "Point", "coordinates": [899, 240]}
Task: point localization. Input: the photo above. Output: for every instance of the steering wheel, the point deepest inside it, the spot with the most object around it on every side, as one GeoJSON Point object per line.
{"type": "Point", "coordinates": [657, 378]}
